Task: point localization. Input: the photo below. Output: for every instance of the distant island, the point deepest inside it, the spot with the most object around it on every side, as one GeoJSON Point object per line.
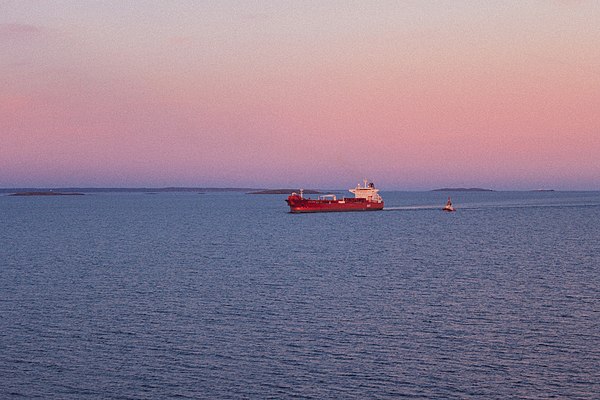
{"type": "Point", "coordinates": [122, 190]}
{"type": "Point", "coordinates": [285, 191]}
{"type": "Point", "coordinates": [46, 194]}
{"type": "Point", "coordinates": [462, 190]}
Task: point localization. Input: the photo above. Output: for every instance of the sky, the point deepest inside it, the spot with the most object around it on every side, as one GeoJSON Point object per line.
{"type": "Point", "coordinates": [413, 95]}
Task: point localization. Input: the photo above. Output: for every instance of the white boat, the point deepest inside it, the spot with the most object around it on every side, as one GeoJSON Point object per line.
{"type": "Point", "coordinates": [448, 207]}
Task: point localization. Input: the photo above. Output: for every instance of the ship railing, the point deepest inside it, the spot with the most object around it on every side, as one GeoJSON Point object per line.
{"type": "Point", "coordinates": [328, 197]}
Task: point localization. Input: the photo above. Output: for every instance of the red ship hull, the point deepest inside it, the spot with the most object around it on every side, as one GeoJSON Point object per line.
{"type": "Point", "coordinates": [301, 205]}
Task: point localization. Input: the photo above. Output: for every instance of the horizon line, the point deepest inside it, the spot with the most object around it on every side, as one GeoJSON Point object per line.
{"type": "Point", "coordinates": [241, 188]}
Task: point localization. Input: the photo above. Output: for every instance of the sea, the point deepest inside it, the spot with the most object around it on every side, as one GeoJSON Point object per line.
{"type": "Point", "coordinates": [229, 296]}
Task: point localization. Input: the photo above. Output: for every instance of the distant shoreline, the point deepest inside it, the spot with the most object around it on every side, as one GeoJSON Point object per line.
{"type": "Point", "coordinates": [285, 191]}
{"type": "Point", "coordinates": [462, 190]}
{"type": "Point", "coordinates": [51, 193]}
{"type": "Point", "coordinates": [124, 190]}
{"type": "Point", "coordinates": [263, 191]}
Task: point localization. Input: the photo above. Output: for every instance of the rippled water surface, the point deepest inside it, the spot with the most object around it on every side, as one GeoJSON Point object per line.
{"type": "Point", "coordinates": [229, 296]}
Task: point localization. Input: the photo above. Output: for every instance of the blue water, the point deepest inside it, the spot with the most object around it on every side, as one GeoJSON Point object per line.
{"type": "Point", "coordinates": [226, 295]}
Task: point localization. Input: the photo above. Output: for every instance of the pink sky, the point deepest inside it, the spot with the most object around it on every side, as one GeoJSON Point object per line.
{"type": "Point", "coordinates": [411, 94]}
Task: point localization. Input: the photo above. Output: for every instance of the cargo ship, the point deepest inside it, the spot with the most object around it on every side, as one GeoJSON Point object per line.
{"type": "Point", "coordinates": [365, 198]}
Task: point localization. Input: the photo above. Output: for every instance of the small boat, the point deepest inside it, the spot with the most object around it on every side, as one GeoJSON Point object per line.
{"type": "Point", "coordinates": [448, 207]}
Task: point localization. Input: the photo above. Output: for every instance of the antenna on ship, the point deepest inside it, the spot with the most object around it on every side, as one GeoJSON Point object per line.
{"type": "Point", "coordinates": [301, 193]}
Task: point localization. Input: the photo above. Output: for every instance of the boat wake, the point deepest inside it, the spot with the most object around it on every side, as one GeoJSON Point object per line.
{"type": "Point", "coordinates": [474, 207]}
{"type": "Point", "coordinates": [411, 208]}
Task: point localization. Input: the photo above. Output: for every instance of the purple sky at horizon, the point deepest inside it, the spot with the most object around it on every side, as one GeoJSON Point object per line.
{"type": "Point", "coordinates": [413, 95]}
